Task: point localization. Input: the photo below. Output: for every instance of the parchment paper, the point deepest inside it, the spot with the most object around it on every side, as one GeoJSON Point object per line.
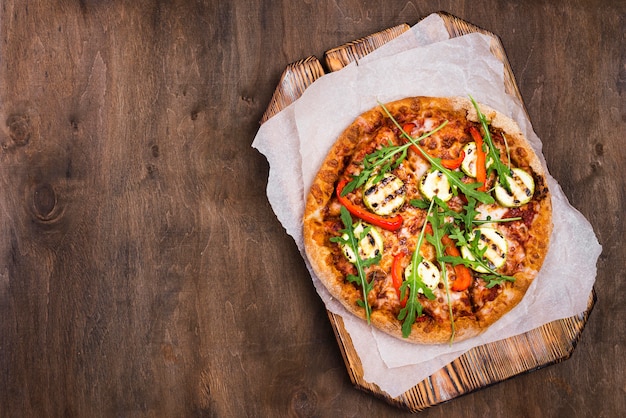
{"type": "Point", "coordinates": [422, 61]}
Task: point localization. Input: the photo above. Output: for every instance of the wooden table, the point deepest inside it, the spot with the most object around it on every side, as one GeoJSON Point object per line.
{"type": "Point", "coordinates": [143, 272]}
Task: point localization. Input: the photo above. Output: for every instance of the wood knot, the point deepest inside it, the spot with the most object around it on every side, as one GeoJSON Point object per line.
{"type": "Point", "coordinates": [304, 403]}
{"type": "Point", "coordinates": [599, 149]}
{"type": "Point", "coordinates": [45, 202]}
{"type": "Point", "coordinates": [20, 129]}
{"type": "Point", "coordinates": [247, 100]}
{"type": "Point", "coordinates": [152, 170]}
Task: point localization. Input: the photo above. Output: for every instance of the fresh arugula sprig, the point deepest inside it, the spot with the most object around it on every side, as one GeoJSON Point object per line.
{"type": "Point", "coordinates": [382, 161]}
{"type": "Point", "coordinates": [503, 170]}
{"type": "Point", "coordinates": [497, 279]}
{"type": "Point", "coordinates": [454, 177]}
{"type": "Point", "coordinates": [349, 238]}
{"type": "Point", "coordinates": [469, 214]}
{"type": "Point", "coordinates": [414, 284]}
{"type": "Point", "coordinates": [492, 277]}
{"type": "Point", "coordinates": [420, 203]}
{"type": "Point", "coordinates": [439, 226]}
{"type": "Point", "coordinates": [495, 221]}
{"type": "Point", "coordinates": [467, 217]}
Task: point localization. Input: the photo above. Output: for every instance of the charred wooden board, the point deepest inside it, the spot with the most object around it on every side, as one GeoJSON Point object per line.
{"type": "Point", "coordinates": [481, 366]}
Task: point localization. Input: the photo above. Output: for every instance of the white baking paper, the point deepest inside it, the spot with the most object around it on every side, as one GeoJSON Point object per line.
{"type": "Point", "coordinates": [422, 61]}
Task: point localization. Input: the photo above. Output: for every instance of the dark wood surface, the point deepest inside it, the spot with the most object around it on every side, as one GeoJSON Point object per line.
{"type": "Point", "coordinates": [143, 272]}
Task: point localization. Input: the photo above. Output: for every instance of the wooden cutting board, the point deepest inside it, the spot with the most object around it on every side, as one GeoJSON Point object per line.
{"type": "Point", "coordinates": [481, 366]}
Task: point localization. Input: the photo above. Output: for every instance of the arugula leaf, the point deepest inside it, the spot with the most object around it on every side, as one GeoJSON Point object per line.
{"type": "Point", "coordinates": [353, 242]}
{"type": "Point", "coordinates": [497, 279]}
{"type": "Point", "coordinates": [492, 221]}
{"type": "Point", "coordinates": [503, 170]}
{"type": "Point", "coordinates": [469, 214]}
{"type": "Point", "coordinates": [467, 217]}
{"type": "Point", "coordinates": [458, 235]}
{"type": "Point", "coordinates": [413, 284]}
{"type": "Point", "coordinates": [454, 177]}
{"type": "Point", "coordinates": [437, 220]}
{"type": "Point", "coordinates": [420, 203]}
{"type": "Point", "coordinates": [382, 161]}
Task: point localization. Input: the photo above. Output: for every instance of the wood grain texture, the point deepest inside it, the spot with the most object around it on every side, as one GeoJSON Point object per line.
{"type": "Point", "coordinates": [338, 57]}
{"type": "Point", "coordinates": [142, 270]}
{"type": "Point", "coordinates": [293, 81]}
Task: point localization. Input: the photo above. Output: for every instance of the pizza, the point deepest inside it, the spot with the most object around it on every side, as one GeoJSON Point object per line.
{"type": "Point", "coordinates": [429, 218]}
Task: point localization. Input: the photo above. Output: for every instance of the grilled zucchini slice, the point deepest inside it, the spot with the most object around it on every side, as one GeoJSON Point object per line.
{"type": "Point", "coordinates": [370, 243]}
{"type": "Point", "coordinates": [385, 196]}
{"type": "Point", "coordinates": [435, 183]}
{"type": "Point", "coordinates": [522, 187]}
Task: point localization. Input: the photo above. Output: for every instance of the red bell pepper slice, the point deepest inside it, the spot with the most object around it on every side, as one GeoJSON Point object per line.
{"type": "Point", "coordinates": [451, 164]}
{"type": "Point", "coordinates": [463, 275]}
{"type": "Point", "coordinates": [481, 160]}
{"type": "Point", "coordinates": [396, 277]}
{"type": "Point", "coordinates": [454, 163]}
{"type": "Point", "coordinates": [391, 224]}
{"type": "Point", "coordinates": [408, 127]}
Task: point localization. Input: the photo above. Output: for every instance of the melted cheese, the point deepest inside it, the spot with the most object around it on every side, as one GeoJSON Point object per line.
{"type": "Point", "coordinates": [491, 212]}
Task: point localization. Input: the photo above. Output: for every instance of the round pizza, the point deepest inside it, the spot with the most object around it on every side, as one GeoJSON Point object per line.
{"type": "Point", "coordinates": [429, 218]}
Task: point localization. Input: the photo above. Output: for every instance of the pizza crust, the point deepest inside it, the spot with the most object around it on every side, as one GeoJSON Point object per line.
{"type": "Point", "coordinates": [320, 199]}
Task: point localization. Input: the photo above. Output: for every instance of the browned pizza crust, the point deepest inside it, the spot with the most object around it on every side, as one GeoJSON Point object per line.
{"type": "Point", "coordinates": [477, 307]}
